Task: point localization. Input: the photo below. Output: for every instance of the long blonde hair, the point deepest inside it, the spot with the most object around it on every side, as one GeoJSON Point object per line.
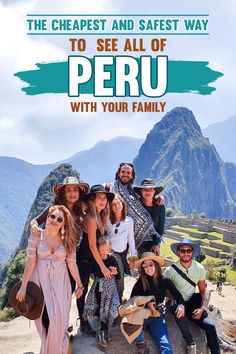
{"type": "Point", "coordinates": [102, 217]}
{"type": "Point", "coordinates": [157, 275]}
{"type": "Point", "coordinates": [69, 241]}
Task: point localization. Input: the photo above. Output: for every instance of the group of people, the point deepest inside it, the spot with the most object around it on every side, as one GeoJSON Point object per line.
{"type": "Point", "coordinates": [104, 232]}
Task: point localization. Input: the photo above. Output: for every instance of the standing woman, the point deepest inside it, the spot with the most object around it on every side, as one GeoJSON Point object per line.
{"type": "Point", "coordinates": [68, 193]}
{"type": "Point", "coordinates": [94, 226]}
{"type": "Point", "coordinates": [48, 257]}
{"type": "Point", "coordinates": [148, 192]}
{"type": "Point", "coordinates": [152, 282]}
{"type": "Point", "coordinates": [120, 232]}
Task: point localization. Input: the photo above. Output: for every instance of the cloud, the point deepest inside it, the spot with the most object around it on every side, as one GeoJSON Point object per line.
{"type": "Point", "coordinates": [42, 129]}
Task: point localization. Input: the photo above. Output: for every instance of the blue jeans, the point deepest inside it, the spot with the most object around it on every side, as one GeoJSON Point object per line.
{"type": "Point", "coordinates": [157, 327]}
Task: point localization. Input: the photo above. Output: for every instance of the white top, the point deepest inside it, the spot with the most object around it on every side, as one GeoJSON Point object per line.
{"type": "Point", "coordinates": [123, 235]}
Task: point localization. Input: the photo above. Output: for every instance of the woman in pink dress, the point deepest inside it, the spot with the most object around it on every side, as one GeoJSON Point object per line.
{"type": "Point", "coordinates": [47, 259]}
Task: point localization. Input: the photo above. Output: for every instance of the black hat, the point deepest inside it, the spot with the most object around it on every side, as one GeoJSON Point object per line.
{"type": "Point", "coordinates": [32, 307]}
{"type": "Point", "coordinates": [98, 188]}
{"type": "Point", "coordinates": [148, 183]}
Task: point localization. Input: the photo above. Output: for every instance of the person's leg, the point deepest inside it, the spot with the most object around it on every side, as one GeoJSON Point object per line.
{"type": "Point", "coordinates": [141, 344]}
{"type": "Point", "coordinates": [120, 282]}
{"type": "Point", "coordinates": [84, 269]}
{"type": "Point", "coordinates": [157, 327]}
{"type": "Point", "coordinates": [182, 323]}
{"type": "Point", "coordinates": [212, 339]}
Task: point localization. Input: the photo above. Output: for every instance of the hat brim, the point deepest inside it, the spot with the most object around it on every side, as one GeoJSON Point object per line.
{"type": "Point", "coordinates": [33, 291]}
{"type": "Point", "coordinates": [138, 189]}
{"type": "Point", "coordinates": [110, 195]}
{"type": "Point", "coordinates": [83, 187]}
{"type": "Point", "coordinates": [195, 246]}
{"type": "Point", "coordinates": [157, 259]}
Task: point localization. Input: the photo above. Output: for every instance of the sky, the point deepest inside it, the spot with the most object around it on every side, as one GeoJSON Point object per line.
{"type": "Point", "coordinates": [42, 129]}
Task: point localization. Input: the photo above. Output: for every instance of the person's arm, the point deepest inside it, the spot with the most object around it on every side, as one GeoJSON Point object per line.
{"type": "Point", "coordinates": [74, 271]}
{"type": "Point", "coordinates": [90, 226]}
{"type": "Point", "coordinates": [161, 220]}
{"type": "Point", "coordinates": [114, 269]}
{"type": "Point", "coordinates": [37, 221]}
{"type": "Point", "coordinates": [131, 238]}
{"type": "Point", "coordinates": [202, 290]}
{"type": "Point", "coordinates": [137, 289]}
{"type": "Point", "coordinates": [29, 267]}
{"type": "Point", "coordinates": [180, 310]}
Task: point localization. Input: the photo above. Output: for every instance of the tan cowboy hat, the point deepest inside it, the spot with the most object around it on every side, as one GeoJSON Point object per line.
{"type": "Point", "coordinates": [84, 187]}
{"type": "Point", "coordinates": [148, 183]}
{"type": "Point", "coordinates": [146, 256]}
{"type": "Point", "coordinates": [32, 307]}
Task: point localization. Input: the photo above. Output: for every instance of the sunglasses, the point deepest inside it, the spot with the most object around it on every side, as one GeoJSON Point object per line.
{"type": "Point", "coordinates": [116, 229]}
{"type": "Point", "coordinates": [148, 265]}
{"type": "Point", "coordinates": [188, 251]}
{"type": "Point", "coordinates": [57, 218]}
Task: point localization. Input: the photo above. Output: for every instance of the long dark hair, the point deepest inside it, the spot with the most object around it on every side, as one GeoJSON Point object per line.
{"type": "Point", "coordinates": [60, 199]}
{"type": "Point", "coordinates": [124, 211]}
{"type": "Point", "coordinates": [157, 275]}
{"type": "Point", "coordinates": [124, 164]}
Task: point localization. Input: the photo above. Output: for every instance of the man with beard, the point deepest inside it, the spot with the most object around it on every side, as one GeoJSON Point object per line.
{"type": "Point", "coordinates": [187, 274]}
{"type": "Point", "coordinates": [145, 235]}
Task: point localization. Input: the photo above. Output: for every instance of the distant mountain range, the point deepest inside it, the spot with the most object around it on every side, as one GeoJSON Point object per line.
{"type": "Point", "coordinates": [176, 154]}
{"type": "Point", "coordinates": [20, 180]}
{"type": "Point", "coordinates": [222, 135]}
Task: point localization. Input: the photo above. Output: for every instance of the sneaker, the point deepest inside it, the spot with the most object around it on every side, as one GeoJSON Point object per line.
{"type": "Point", "coordinates": [192, 349]}
{"type": "Point", "coordinates": [101, 339]}
{"type": "Point", "coordinates": [143, 348]}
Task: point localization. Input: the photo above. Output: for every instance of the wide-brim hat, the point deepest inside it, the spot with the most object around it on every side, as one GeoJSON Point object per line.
{"type": "Point", "coordinates": [98, 188]}
{"type": "Point", "coordinates": [148, 183]}
{"type": "Point", "coordinates": [83, 187]}
{"type": "Point", "coordinates": [146, 256]}
{"type": "Point", "coordinates": [32, 307]}
{"type": "Point", "coordinates": [185, 242]}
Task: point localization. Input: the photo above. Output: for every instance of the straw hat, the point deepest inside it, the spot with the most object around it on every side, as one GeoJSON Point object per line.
{"type": "Point", "coordinates": [149, 256]}
{"type": "Point", "coordinates": [83, 187]}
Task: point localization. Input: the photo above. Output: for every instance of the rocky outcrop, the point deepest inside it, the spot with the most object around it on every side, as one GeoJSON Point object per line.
{"type": "Point", "coordinates": [176, 154]}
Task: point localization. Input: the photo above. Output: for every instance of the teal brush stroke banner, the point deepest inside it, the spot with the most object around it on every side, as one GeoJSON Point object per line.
{"type": "Point", "coordinates": [183, 77]}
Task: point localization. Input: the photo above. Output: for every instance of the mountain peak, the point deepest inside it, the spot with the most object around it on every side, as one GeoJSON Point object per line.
{"type": "Point", "coordinates": [179, 119]}
{"type": "Point", "coordinates": [176, 154]}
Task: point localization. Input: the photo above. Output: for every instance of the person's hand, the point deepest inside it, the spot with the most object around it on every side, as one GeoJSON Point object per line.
{"type": "Point", "coordinates": [20, 296]}
{"type": "Point", "coordinates": [172, 302]}
{"type": "Point", "coordinates": [151, 305]}
{"type": "Point", "coordinates": [79, 290]}
{"type": "Point", "coordinates": [131, 264]}
{"type": "Point", "coordinates": [106, 272]}
{"type": "Point", "coordinates": [197, 314]}
{"type": "Point", "coordinates": [160, 200]}
{"type": "Point", "coordinates": [35, 230]}
{"type": "Point", "coordinates": [113, 270]}
{"type": "Point", "coordinates": [155, 249]}
{"type": "Point", "coordinates": [180, 311]}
